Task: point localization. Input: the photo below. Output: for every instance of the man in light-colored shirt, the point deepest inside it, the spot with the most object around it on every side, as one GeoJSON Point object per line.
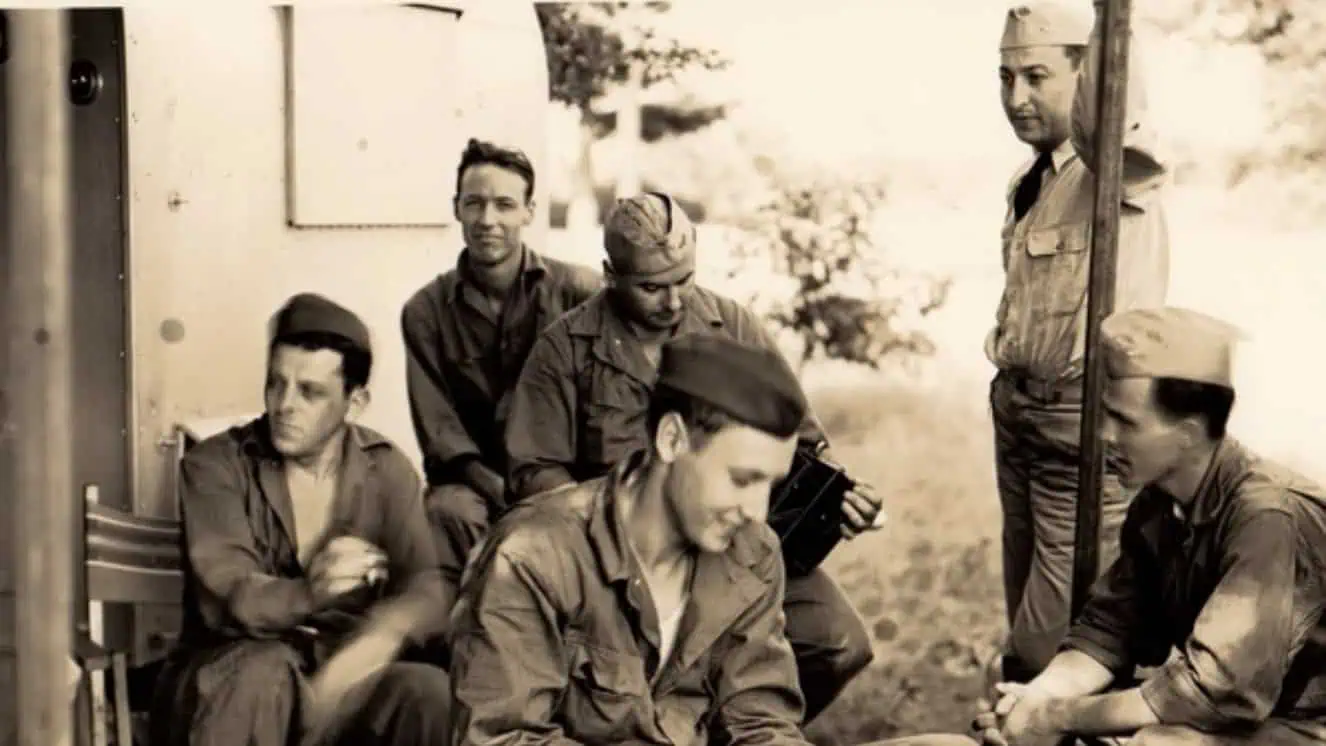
{"type": "Point", "coordinates": [1049, 59]}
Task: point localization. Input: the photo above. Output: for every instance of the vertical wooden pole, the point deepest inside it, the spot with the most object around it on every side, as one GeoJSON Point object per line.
{"type": "Point", "coordinates": [1112, 93]}
{"type": "Point", "coordinates": [39, 385]}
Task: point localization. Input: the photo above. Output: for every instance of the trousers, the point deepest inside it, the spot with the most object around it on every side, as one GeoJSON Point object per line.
{"type": "Point", "coordinates": [1037, 450]}
{"type": "Point", "coordinates": [252, 693]}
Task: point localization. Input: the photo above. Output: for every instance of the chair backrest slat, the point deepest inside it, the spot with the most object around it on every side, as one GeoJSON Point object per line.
{"type": "Point", "coordinates": [132, 559]}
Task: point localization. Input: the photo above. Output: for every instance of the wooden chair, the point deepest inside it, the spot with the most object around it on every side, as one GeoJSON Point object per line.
{"type": "Point", "coordinates": [128, 559]}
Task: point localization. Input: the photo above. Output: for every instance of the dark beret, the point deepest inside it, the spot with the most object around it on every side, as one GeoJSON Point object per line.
{"type": "Point", "coordinates": [753, 385]}
{"type": "Point", "coordinates": [310, 313]}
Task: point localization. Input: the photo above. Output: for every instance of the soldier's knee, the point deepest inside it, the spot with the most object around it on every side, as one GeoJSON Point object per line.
{"type": "Point", "coordinates": [265, 662]}
{"type": "Point", "coordinates": [451, 505]}
{"type": "Point", "coordinates": [826, 630]}
{"type": "Point", "coordinates": [856, 651]}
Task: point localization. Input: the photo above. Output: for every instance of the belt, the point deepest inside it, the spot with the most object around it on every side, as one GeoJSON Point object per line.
{"type": "Point", "coordinates": [1046, 392]}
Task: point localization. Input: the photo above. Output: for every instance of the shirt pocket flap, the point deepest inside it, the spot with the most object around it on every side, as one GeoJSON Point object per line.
{"type": "Point", "coordinates": [1070, 239]}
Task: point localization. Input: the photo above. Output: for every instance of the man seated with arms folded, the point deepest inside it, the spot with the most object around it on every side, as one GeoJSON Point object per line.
{"type": "Point", "coordinates": [646, 606]}
{"type": "Point", "coordinates": [1221, 576]}
{"type": "Point", "coordinates": [580, 407]}
{"type": "Point", "coordinates": [309, 564]}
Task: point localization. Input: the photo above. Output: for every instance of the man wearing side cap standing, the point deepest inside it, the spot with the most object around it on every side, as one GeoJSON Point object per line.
{"type": "Point", "coordinates": [1049, 74]}
{"type": "Point", "coordinates": [581, 403]}
{"type": "Point", "coordinates": [309, 567]}
{"type": "Point", "coordinates": [467, 333]}
{"type": "Point", "coordinates": [645, 606]}
{"type": "Point", "coordinates": [1219, 582]}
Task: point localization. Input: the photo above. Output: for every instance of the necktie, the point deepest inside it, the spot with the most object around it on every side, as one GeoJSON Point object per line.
{"type": "Point", "coordinates": [1030, 186]}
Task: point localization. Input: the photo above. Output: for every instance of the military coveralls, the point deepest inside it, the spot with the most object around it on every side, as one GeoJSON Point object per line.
{"type": "Point", "coordinates": [556, 640]}
{"type": "Point", "coordinates": [1237, 583]}
{"type": "Point", "coordinates": [1038, 348]}
{"type": "Point", "coordinates": [461, 362]}
{"type": "Point", "coordinates": [580, 408]}
{"type": "Point", "coordinates": [237, 677]}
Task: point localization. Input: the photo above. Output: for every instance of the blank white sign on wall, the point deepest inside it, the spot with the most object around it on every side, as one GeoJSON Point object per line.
{"type": "Point", "coordinates": [374, 114]}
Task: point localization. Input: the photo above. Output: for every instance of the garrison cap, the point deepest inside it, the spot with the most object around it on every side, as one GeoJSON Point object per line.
{"type": "Point", "coordinates": [312, 313]}
{"type": "Point", "coordinates": [1169, 342]}
{"type": "Point", "coordinates": [1046, 23]}
{"type": "Point", "coordinates": [648, 234]}
{"type": "Point", "coordinates": [753, 385]}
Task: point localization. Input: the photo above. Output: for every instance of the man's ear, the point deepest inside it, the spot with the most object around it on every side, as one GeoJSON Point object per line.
{"type": "Point", "coordinates": [359, 401]}
{"type": "Point", "coordinates": [1192, 430]}
{"type": "Point", "coordinates": [672, 439]}
{"type": "Point", "coordinates": [455, 208]}
{"type": "Point", "coordinates": [531, 207]}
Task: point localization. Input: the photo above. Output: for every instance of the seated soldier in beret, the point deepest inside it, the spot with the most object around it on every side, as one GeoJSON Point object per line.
{"type": "Point", "coordinates": [580, 407]}
{"type": "Point", "coordinates": [309, 564]}
{"type": "Point", "coordinates": [645, 606]}
{"type": "Point", "coordinates": [1219, 580]}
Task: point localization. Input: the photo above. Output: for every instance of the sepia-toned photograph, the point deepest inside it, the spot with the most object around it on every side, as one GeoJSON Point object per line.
{"type": "Point", "coordinates": [729, 373]}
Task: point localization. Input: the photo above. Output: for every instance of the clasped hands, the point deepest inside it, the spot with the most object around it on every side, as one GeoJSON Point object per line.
{"type": "Point", "coordinates": [345, 564]}
{"type": "Point", "coordinates": [1018, 717]}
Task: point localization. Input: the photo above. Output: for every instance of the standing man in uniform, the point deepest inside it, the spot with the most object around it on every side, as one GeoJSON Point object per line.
{"type": "Point", "coordinates": [467, 333]}
{"type": "Point", "coordinates": [1221, 577]}
{"type": "Point", "coordinates": [308, 565]}
{"type": "Point", "coordinates": [645, 606]}
{"type": "Point", "coordinates": [580, 407]}
{"type": "Point", "coordinates": [1049, 81]}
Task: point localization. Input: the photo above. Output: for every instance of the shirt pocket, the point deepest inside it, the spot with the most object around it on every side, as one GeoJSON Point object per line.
{"type": "Point", "coordinates": [1058, 263]}
{"type": "Point", "coordinates": [605, 694]}
{"type": "Point", "coordinates": [614, 415]}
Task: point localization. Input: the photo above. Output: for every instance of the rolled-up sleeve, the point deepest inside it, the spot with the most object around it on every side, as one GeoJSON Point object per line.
{"type": "Point", "coordinates": [757, 697]}
{"type": "Point", "coordinates": [509, 667]}
{"type": "Point", "coordinates": [223, 560]}
{"type": "Point", "coordinates": [1144, 163]}
{"type": "Point", "coordinates": [1230, 671]}
{"type": "Point", "coordinates": [415, 609]}
{"type": "Point", "coordinates": [437, 425]}
{"type": "Point", "coordinates": [541, 422]}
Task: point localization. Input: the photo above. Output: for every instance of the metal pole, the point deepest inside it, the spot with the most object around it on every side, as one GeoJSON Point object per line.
{"type": "Point", "coordinates": [1112, 94]}
{"type": "Point", "coordinates": [40, 369]}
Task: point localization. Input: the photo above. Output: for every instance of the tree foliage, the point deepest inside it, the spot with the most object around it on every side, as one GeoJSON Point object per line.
{"type": "Point", "coordinates": [593, 47]}
{"type": "Point", "coordinates": [1291, 37]}
{"type": "Point", "coordinates": [845, 303]}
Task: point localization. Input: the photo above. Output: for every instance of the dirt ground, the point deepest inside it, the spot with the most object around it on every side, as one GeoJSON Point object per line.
{"type": "Point", "coordinates": [928, 583]}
